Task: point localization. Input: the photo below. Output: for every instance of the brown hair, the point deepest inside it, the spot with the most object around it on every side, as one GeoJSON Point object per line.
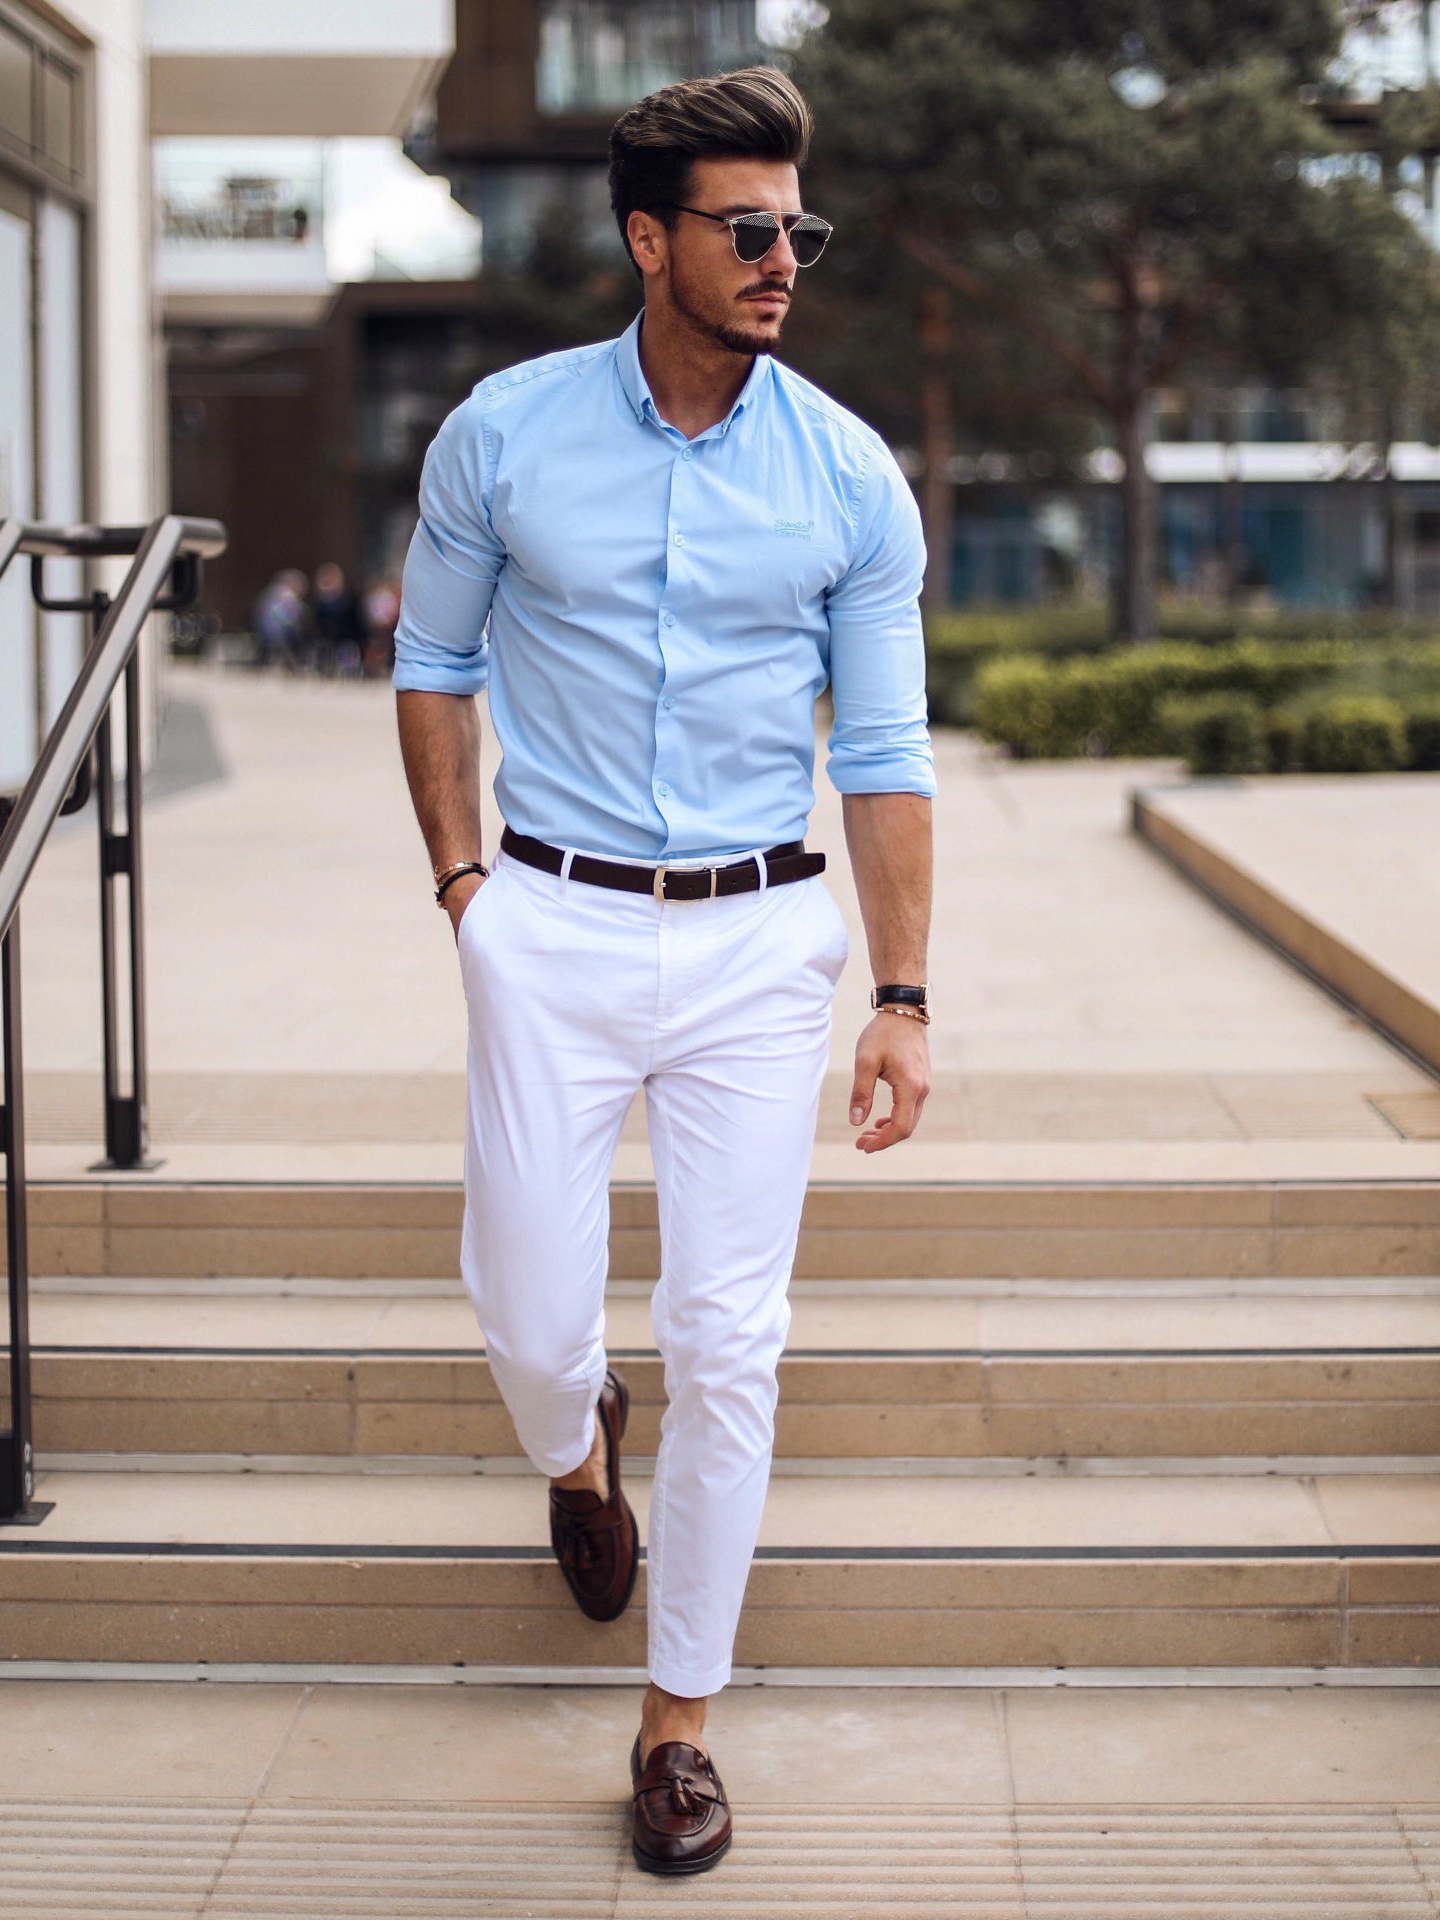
{"type": "Point", "coordinates": [753, 113]}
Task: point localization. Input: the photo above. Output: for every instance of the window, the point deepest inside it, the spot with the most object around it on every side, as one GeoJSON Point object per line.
{"type": "Point", "coordinates": [17, 86]}
{"type": "Point", "coordinates": [39, 103]}
{"type": "Point", "coordinates": [599, 55]}
{"type": "Point", "coordinates": [61, 122]}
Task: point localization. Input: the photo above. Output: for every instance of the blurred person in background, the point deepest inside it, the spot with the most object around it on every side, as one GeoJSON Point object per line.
{"type": "Point", "coordinates": [382, 613]}
{"type": "Point", "coordinates": [281, 619]}
{"type": "Point", "coordinates": [337, 621]}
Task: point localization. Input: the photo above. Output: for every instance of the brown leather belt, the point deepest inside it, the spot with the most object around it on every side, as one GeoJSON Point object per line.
{"type": "Point", "coordinates": [789, 861]}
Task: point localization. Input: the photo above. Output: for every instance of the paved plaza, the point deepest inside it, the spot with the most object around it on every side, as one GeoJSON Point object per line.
{"type": "Point", "coordinates": [1096, 1017]}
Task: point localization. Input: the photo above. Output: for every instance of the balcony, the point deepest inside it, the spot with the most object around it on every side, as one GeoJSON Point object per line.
{"type": "Point", "coordinates": [331, 67]}
{"type": "Point", "coordinates": [241, 241]}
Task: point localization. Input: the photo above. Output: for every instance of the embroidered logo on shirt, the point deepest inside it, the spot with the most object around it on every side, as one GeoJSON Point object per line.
{"type": "Point", "coordinates": [794, 529]}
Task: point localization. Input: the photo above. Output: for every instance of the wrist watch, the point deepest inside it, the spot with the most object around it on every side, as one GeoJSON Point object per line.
{"type": "Point", "coordinates": [912, 1000]}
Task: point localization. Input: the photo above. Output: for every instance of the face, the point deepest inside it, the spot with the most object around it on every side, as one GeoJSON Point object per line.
{"type": "Point", "coordinates": [733, 303]}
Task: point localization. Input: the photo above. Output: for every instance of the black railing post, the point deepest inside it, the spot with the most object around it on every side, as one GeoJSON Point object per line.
{"type": "Point", "coordinates": [17, 1452]}
{"type": "Point", "coordinates": [126, 1123]}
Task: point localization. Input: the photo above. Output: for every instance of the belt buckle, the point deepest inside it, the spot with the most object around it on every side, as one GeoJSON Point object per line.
{"type": "Point", "coordinates": [661, 871]}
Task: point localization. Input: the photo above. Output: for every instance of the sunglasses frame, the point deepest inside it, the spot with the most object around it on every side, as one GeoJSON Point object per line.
{"type": "Point", "coordinates": [785, 222]}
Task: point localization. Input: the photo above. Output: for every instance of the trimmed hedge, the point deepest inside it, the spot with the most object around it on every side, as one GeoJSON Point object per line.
{"type": "Point", "coordinates": [1422, 727]}
{"type": "Point", "coordinates": [959, 644]}
{"type": "Point", "coordinates": [1356, 733]}
{"type": "Point", "coordinates": [1111, 703]}
{"type": "Point", "coordinates": [1216, 732]}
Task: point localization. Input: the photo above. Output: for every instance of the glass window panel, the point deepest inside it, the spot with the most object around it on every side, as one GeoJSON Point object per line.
{"type": "Point", "coordinates": [60, 116]}
{"type": "Point", "coordinates": [603, 54]}
{"type": "Point", "coordinates": [16, 100]}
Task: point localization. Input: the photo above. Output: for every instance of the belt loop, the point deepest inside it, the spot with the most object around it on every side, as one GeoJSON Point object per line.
{"type": "Point", "coordinates": [565, 865]}
{"type": "Point", "coordinates": [764, 870]}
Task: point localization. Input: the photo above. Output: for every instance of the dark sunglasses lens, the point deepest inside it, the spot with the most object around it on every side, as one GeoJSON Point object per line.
{"type": "Point", "coordinates": [755, 238]}
{"type": "Point", "coordinates": [808, 243]}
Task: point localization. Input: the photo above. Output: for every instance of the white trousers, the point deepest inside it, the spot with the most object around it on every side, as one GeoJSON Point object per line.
{"type": "Point", "coordinates": [720, 1009]}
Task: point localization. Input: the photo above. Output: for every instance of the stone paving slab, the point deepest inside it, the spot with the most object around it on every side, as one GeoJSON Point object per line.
{"type": "Point", "coordinates": [300, 1799]}
{"type": "Point", "coordinates": [1341, 871]}
{"type": "Point", "coordinates": [872, 1320]}
{"type": "Point", "coordinates": [126, 1511]}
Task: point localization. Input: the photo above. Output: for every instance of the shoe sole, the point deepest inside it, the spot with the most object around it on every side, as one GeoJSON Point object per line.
{"type": "Point", "coordinates": [648, 1863]}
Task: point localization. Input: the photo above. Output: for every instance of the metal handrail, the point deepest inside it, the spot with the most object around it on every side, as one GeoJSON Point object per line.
{"type": "Point", "coordinates": [156, 549]}
{"type": "Point", "coordinates": [168, 549]}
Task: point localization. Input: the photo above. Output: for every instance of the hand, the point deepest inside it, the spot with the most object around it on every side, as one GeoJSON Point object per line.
{"type": "Point", "coordinates": [894, 1048]}
{"type": "Point", "coordinates": [458, 896]}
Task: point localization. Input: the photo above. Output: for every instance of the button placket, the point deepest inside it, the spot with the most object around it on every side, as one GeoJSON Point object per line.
{"type": "Point", "coordinates": [675, 538]}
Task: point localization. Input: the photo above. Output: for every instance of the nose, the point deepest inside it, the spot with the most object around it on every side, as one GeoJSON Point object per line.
{"type": "Point", "coordinates": [781, 257]}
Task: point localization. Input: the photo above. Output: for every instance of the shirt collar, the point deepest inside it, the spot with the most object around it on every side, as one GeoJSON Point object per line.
{"type": "Point", "coordinates": [637, 388]}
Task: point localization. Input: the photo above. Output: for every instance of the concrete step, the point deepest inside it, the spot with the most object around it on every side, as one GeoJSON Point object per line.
{"type": "Point", "coordinates": [887, 1228]}
{"type": "Point", "coordinates": [888, 1369]}
{"type": "Point", "coordinates": [995, 1568]}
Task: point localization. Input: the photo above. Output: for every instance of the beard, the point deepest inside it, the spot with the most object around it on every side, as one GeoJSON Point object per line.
{"type": "Point", "coordinates": [717, 324]}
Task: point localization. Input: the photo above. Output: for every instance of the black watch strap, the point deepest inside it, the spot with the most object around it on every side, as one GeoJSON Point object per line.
{"type": "Point", "coordinates": [901, 996]}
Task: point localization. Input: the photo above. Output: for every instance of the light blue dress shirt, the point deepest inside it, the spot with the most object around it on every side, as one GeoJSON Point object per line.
{"type": "Point", "coordinates": [663, 612]}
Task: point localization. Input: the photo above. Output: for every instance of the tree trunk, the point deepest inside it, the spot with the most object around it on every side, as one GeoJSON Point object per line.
{"type": "Point", "coordinates": [1390, 509]}
{"type": "Point", "coordinates": [1232, 507]}
{"type": "Point", "coordinates": [936, 417]}
{"type": "Point", "coordinates": [1135, 581]}
{"type": "Point", "coordinates": [1134, 410]}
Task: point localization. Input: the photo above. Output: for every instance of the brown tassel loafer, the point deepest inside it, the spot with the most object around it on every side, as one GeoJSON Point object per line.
{"type": "Point", "coordinates": [682, 1818]}
{"type": "Point", "coordinates": [596, 1541]}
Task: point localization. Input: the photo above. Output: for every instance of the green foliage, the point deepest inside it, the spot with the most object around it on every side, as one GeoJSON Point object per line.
{"type": "Point", "coordinates": [1283, 731]}
{"type": "Point", "coordinates": [1217, 733]}
{"type": "Point", "coordinates": [957, 644]}
{"type": "Point", "coordinates": [1355, 733]}
{"type": "Point", "coordinates": [1112, 702]}
{"type": "Point", "coordinates": [1422, 727]}
{"type": "Point", "coordinates": [1120, 198]}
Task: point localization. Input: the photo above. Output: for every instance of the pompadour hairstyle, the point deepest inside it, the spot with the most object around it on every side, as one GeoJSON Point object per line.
{"type": "Point", "coordinates": [755, 113]}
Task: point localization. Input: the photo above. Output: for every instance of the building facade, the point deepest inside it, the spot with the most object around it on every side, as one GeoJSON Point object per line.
{"type": "Point", "coordinates": [79, 424]}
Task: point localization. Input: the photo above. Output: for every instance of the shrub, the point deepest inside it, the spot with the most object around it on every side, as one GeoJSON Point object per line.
{"type": "Point", "coordinates": [1282, 733]}
{"type": "Point", "coordinates": [1422, 728]}
{"type": "Point", "coordinates": [1020, 701]}
{"type": "Point", "coordinates": [1355, 733]}
{"type": "Point", "coordinates": [1217, 733]}
{"type": "Point", "coordinates": [1110, 702]}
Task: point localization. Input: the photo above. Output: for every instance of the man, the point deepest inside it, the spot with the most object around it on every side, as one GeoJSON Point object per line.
{"type": "Point", "coordinates": [677, 541]}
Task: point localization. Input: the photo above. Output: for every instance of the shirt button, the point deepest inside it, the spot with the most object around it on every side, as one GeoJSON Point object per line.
{"type": "Point", "coordinates": [688, 454]}
{"type": "Point", "coordinates": [669, 619]}
{"type": "Point", "coordinates": [679, 539]}
{"type": "Point", "coordinates": [668, 701]}
{"type": "Point", "coordinates": [662, 789]}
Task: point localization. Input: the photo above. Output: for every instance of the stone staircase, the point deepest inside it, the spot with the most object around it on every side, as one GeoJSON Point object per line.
{"type": "Point", "coordinates": [1146, 1425]}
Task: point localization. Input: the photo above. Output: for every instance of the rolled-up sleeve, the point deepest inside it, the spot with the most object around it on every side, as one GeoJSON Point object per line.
{"type": "Point", "coordinates": [453, 562]}
{"type": "Point", "coordinates": [880, 740]}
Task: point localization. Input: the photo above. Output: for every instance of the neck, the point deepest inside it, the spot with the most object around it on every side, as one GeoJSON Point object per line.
{"type": "Point", "coordinates": [693, 381]}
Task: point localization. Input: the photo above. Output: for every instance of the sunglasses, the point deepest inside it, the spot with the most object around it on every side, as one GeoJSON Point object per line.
{"type": "Point", "coordinates": [754, 234]}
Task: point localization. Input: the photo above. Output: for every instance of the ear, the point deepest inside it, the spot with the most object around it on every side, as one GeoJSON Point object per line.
{"type": "Point", "coordinates": [648, 240]}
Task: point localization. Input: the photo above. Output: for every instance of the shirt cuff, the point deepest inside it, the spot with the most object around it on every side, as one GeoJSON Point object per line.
{"type": "Point", "coordinates": [433, 676]}
{"type": "Point", "coordinates": [895, 773]}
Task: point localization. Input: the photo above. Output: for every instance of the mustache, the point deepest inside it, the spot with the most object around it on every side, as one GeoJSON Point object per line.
{"type": "Point", "coordinates": [767, 286]}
